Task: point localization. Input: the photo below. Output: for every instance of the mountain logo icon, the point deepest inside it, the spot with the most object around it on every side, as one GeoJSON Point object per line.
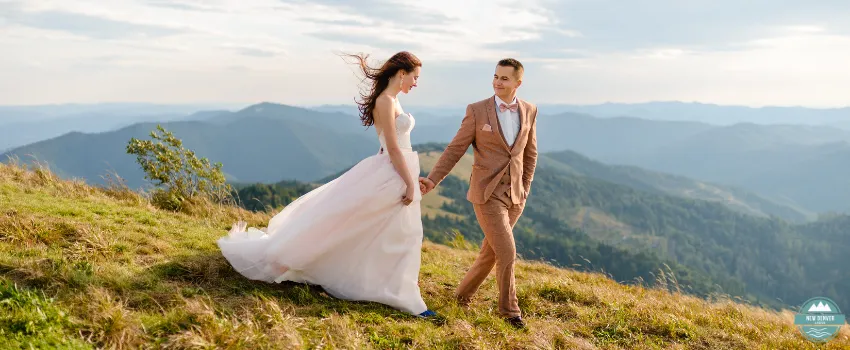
{"type": "Point", "coordinates": [820, 307]}
{"type": "Point", "coordinates": [819, 319]}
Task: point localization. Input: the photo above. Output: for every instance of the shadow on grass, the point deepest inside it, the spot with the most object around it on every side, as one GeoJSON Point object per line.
{"type": "Point", "coordinates": [211, 275]}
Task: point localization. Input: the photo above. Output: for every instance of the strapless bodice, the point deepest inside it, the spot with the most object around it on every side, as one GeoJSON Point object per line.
{"type": "Point", "coordinates": [404, 124]}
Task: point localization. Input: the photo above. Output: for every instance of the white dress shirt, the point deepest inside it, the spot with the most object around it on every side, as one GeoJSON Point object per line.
{"type": "Point", "coordinates": [508, 120]}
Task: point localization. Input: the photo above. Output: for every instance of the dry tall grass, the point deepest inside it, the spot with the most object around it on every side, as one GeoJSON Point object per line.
{"type": "Point", "coordinates": [84, 267]}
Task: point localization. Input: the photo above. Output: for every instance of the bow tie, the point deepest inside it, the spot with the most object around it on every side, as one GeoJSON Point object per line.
{"type": "Point", "coordinates": [503, 107]}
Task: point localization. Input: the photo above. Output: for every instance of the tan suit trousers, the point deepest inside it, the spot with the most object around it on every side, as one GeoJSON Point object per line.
{"type": "Point", "coordinates": [497, 218]}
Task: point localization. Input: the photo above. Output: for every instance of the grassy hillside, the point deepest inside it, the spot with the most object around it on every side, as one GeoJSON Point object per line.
{"type": "Point", "coordinates": [83, 268]}
{"type": "Point", "coordinates": [623, 221]}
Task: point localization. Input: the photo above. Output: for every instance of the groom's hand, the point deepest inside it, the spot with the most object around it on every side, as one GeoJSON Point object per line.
{"type": "Point", "coordinates": [426, 185]}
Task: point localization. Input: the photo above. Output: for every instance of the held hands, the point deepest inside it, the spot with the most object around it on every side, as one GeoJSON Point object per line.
{"type": "Point", "coordinates": [426, 185]}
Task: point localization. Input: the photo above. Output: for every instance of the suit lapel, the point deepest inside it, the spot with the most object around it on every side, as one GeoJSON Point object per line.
{"type": "Point", "coordinates": [494, 120]}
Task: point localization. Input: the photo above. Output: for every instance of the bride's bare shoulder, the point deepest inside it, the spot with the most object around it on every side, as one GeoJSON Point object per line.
{"type": "Point", "coordinates": [384, 105]}
{"type": "Point", "coordinates": [384, 101]}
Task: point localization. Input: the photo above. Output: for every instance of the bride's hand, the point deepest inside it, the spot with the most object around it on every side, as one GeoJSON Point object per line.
{"type": "Point", "coordinates": [408, 195]}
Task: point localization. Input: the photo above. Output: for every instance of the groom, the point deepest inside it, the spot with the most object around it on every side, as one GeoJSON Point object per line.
{"type": "Point", "coordinates": [502, 132]}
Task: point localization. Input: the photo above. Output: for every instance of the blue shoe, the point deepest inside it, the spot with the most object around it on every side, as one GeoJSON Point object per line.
{"type": "Point", "coordinates": [428, 313]}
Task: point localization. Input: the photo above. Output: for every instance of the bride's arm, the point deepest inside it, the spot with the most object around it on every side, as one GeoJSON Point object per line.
{"type": "Point", "coordinates": [384, 115]}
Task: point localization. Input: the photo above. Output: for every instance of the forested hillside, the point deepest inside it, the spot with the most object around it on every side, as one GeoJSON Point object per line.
{"type": "Point", "coordinates": [633, 234]}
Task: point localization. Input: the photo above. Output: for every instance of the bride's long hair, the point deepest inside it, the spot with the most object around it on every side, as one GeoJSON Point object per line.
{"type": "Point", "coordinates": [380, 78]}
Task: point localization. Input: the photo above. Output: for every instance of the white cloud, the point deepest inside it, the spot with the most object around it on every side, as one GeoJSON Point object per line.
{"type": "Point", "coordinates": [805, 69]}
{"type": "Point", "coordinates": [576, 51]}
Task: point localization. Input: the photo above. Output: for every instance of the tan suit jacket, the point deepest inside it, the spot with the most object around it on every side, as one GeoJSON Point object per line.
{"type": "Point", "coordinates": [493, 156]}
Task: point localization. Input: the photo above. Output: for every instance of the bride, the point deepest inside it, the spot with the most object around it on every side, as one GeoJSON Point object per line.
{"type": "Point", "coordinates": [360, 235]}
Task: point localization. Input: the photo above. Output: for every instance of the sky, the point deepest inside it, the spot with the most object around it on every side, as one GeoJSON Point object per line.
{"type": "Point", "coordinates": [754, 52]}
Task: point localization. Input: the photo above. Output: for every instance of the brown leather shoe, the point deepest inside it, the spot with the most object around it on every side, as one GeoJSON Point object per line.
{"type": "Point", "coordinates": [516, 322]}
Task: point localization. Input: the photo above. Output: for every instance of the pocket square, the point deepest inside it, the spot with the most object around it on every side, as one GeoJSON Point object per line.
{"type": "Point", "coordinates": [487, 127]}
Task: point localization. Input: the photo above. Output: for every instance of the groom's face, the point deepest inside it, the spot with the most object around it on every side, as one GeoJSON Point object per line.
{"type": "Point", "coordinates": [505, 81]}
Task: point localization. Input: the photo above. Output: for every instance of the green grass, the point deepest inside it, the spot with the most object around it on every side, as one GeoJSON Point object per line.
{"type": "Point", "coordinates": [84, 267]}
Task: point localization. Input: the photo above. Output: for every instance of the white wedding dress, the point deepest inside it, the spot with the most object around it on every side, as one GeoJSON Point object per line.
{"type": "Point", "coordinates": [353, 236]}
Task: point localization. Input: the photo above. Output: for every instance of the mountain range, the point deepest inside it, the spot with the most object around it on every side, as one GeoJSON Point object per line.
{"type": "Point", "coordinates": [23, 125]}
{"type": "Point", "coordinates": [801, 166]}
{"type": "Point", "coordinates": [662, 183]}
{"type": "Point", "coordinates": [14, 134]}
{"type": "Point", "coordinates": [21, 113]}
{"type": "Point", "coordinates": [708, 113]}
{"type": "Point", "coordinates": [798, 168]}
{"type": "Point", "coordinates": [257, 144]}
{"type": "Point", "coordinates": [668, 111]}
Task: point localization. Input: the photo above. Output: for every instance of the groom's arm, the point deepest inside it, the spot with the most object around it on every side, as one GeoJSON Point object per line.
{"type": "Point", "coordinates": [456, 149]}
{"type": "Point", "coordinates": [529, 159]}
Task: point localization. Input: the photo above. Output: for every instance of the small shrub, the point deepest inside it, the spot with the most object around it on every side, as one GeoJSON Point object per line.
{"type": "Point", "coordinates": [176, 172]}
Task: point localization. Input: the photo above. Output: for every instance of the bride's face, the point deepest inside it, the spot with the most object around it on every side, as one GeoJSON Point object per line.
{"type": "Point", "coordinates": [409, 80]}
